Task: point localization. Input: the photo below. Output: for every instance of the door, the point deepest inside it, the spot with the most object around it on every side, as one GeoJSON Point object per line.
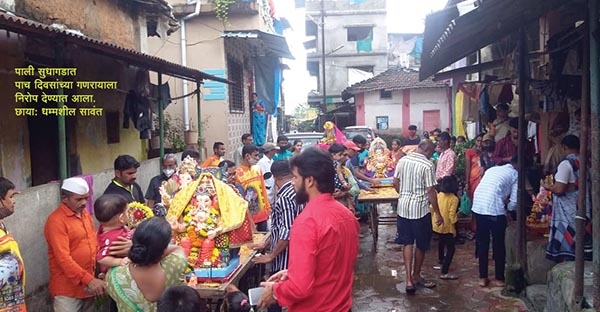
{"type": "Point", "coordinates": [431, 120]}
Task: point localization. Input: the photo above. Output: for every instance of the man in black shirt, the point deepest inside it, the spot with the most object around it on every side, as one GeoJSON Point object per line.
{"type": "Point", "coordinates": [413, 138]}
{"type": "Point", "coordinates": [169, 164]}
{"type": "Point", "coordinates": [124, 182]}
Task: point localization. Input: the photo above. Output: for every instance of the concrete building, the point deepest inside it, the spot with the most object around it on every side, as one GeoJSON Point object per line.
{"type": "Point", "coordinates": [355, 44]}
{"type": "Point", "coordinates": [42, 142]}
{"type": "Point", "coordinates": [395, 99]}
{"type": "Point", "coordinates": [235, 49]}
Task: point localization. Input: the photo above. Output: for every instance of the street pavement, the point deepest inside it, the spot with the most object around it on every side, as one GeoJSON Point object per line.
{"type": "Point", "coordinates": [377, 289]}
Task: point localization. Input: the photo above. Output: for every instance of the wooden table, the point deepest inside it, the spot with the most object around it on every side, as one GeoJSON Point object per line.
{"type": "Point", "coordinates": [380, 195]}
{"type": "Point", "coordinates": [216, 291]}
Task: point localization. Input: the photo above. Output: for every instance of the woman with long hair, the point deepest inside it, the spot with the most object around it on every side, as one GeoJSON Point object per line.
{"type": "Point", "coordinates": [297, 147]}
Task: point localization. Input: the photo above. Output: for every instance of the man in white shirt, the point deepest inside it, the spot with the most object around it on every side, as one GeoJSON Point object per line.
{"type": "Point", "coordinates": [497, 190]}
{"type": "Point", "coordinates": [269, 150]}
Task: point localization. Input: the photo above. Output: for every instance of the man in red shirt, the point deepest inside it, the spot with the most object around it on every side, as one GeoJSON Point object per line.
{"type": "Point", "coordinates": [323, 243]}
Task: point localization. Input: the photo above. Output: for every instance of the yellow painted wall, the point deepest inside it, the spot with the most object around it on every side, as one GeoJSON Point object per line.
{"type": "Point", "coordinates": [94, 152]}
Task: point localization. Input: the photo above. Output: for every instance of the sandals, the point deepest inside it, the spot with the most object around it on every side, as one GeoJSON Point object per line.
{"type": "Point", "coordinates": [426, 284]}
{"type": "Point", "coordinates": [448, 277]}
{"type": "Point", "coordinates": [410, 289]}
{"type": "Point", "coordinates": [483, 282]}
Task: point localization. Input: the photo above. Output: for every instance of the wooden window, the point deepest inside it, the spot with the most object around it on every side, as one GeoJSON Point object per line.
{"type": "Point", "coordinates": [112, 127]}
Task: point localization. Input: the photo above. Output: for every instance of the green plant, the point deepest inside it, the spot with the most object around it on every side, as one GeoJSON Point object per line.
{"type": "Point", "coordinates": [173, 130]}
{"type": "Point", "coordinates": [222, 9]}
{"type": "Point", "coordinates": [460, 150]}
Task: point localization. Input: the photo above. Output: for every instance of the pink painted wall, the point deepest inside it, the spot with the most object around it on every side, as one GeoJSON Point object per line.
{"type": "Point", "coordinates": [360, 109]}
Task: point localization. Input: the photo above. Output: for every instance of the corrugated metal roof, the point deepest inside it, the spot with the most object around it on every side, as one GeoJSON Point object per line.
{"type": "Point", "coordinates": [32, 28]}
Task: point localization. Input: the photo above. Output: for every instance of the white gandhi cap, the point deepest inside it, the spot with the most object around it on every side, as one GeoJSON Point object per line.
{"type": "Point", "coordinates": [76, 185]}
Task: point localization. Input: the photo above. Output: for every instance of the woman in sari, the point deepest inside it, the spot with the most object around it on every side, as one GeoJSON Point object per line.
{"type": "Point", "coordinates": [155, 266]}
{"type": "Point", "coordinates": [565, 192]}
{"type": "Point", "coordinates": [473, 168]}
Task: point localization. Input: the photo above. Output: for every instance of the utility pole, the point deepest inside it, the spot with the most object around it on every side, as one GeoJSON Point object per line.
{"type": "Point", "coordinates": [324, 80]}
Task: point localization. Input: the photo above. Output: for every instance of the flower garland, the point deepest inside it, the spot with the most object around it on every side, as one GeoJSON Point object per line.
{"type": "Point", "coordinates": [197, 232]}
{"type": "Point", "coordinates": [137, 213]}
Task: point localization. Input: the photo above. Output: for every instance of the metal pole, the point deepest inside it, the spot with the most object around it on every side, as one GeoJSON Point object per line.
{"type": "Point", "coordinates": [595, 142]}
{"type": "Point", "coordinates": [523, 90]}
{"type": "Point", "coordinates": [580, 218]}
{"type": "Point", "coordinates": [161, 119]}
{"type": "Point", "coordinates": [62, 132]}
{"type": "Point", "coordinates": [324, 91]}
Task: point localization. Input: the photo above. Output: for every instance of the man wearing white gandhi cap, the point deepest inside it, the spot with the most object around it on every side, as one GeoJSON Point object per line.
{"type": "Point", "coordinates": [72, 247]}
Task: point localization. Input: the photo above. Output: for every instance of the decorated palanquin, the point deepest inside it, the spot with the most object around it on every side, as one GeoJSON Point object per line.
{"type": "Point", "coordinates": [331, 135]}
{"type": "Point", "coordinates": [209, 219]}
{"type": "Point", "coordinates": [379, 163]}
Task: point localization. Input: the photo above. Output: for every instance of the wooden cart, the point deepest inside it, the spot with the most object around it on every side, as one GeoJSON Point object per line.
{"type": "Point", "coordinates": [214, 292]}
{"type": "Point", "coordinates": [379, 195]}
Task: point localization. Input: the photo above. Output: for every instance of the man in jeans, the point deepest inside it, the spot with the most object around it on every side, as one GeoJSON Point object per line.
{"type": "Point", "coordinates": [497, 190]}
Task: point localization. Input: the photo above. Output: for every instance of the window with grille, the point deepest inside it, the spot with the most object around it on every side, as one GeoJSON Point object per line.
{"type": "Point", "coordinates": [235, 73]}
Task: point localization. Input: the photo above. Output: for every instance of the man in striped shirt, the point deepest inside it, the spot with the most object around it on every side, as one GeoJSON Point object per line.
{"type": "Point", "coordinates": [283, 213]}
{"type": "Point", "coordinates": [415, 182]}
{"type": "Point", "coordinates": [497, 190]}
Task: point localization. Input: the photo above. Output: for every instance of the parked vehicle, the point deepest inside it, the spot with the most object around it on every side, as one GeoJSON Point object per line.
{"type": "Point", "coordinates": [308, 138]}
{"type": "Point", "coordinates": [365, 131]}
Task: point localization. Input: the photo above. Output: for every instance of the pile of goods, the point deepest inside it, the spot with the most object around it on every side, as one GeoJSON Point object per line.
{"type": "Point", "coordinates": [541, 212]}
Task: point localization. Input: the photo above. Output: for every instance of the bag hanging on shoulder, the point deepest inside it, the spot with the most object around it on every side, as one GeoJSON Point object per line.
{"type": "Point", "coordinates": [465, 204]}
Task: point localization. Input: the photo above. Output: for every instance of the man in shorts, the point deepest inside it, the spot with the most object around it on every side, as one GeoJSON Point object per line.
{"type": "Point", "coordinates": [414, 180]}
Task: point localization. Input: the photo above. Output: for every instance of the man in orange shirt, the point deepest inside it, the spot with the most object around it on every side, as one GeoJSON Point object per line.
{"type": "Point", "coordinates": [72, 247]}
{"type": "Point", "coordinates": [251, 179]}
{"type": "Point", "coordinates": [217, 158]}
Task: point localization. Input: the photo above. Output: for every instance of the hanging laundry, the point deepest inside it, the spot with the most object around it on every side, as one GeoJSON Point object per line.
{"type": "Point", "coordinates": [137, 108]}
{"type": "Point", "coordinates": [506, 94]}
{"type": "Point", "coordinates": [166, 96]}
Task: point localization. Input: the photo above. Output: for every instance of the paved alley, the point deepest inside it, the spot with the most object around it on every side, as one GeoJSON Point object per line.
{"type": "Point", "coordinates": [376, 289]}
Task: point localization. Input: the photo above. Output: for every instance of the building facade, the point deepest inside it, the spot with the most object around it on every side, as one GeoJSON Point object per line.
{"type": "Point", "coordinates": [355, 44]}
{"type": "Point", "coordinates": [231, 49]}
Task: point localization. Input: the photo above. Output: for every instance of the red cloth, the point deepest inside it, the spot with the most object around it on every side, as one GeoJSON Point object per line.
{"type": "Point", "coordinates": [106, 239]}
{"type": "Point", "coordinates": [72, 247]}
{"type": "Point", "coordinates": [323, 249]}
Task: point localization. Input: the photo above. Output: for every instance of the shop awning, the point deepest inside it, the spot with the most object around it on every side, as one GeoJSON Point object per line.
{"type": "Point", "coordinates": [262, 43]}
{"type": "Point", "coordinates": [32, 28]}
{"type": "Point", "coordinates": [450, 36]}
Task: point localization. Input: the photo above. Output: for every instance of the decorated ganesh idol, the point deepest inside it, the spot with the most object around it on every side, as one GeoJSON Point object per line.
{"type": "Point", "coordinates": [208, 219]}
{"type": "Point", "coordinates": [379, 164]}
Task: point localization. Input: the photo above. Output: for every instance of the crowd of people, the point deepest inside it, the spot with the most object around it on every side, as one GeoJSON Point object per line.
{"type": "Point", "coordinates": [308, 201]}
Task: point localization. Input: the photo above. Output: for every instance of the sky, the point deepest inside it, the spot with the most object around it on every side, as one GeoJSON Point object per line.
{"type": "Point", "coordinates": [403, 16]}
